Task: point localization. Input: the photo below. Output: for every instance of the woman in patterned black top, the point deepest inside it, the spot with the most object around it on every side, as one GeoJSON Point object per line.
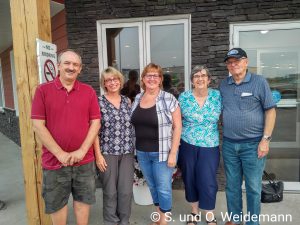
{"type": "Point", "coordinates": [114, 155]}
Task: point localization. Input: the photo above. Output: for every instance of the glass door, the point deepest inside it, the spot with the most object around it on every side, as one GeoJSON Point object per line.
{"type": "Point", "coordinates": [274, 52]}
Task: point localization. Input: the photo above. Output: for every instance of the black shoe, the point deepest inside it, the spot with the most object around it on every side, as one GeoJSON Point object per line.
{"type": "Point", "coordinates": [2, 205]}
{"type": "Point", "coordinates": [212, 221]}
{"type": "Point", "coordinates": [195, 220]}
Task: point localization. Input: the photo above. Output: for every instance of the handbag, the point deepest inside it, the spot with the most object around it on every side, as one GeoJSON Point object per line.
{"type": "Point", "coordinates": [271, 191]}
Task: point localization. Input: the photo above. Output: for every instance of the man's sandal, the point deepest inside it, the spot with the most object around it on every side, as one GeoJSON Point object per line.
{"type": "Point", "coordinates": [212, 221]}
{"type": "Point", "coordinates": [195, 220]}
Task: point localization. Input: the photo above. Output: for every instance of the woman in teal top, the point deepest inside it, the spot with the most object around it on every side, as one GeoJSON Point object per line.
{"type": "Point", "coordinates": [199, 153]}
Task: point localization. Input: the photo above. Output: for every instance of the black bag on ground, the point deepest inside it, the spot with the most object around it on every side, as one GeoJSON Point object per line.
{"type": "Point", "coordinates": [272, 191]}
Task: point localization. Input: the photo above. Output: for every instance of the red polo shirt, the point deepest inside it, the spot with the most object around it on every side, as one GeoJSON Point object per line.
{"type": "Point", "coordinates": [67, 116]}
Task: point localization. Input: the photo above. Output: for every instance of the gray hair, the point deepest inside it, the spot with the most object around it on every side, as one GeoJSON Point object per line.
{"type": "Point", "coordinates": [198, 68]}
{"type": "Point", "coordinates": [68, 50]}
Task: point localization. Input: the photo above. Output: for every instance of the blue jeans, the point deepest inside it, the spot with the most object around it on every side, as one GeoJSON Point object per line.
{"type": "Point", "coordinates": [158, 177]}
{"type": "Point", "coordinates": [240, 159]}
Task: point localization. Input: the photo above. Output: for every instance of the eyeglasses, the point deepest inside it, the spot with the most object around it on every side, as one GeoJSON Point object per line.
{"type": "Point", "coordinates": [198, 76]}
{"type": "Point", "coordinates": [109, 81]}
{"type": "Point", "coordinates": [153, 76]}
{"type": "Point", "coordinates": [234, 62]}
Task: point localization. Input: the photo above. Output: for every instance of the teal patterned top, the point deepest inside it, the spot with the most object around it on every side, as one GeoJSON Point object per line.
{"type": "Point", "coordinates": [200, 125]}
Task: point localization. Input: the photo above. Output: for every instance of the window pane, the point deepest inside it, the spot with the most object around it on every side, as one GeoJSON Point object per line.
{"type": "Point", "coordinates": [167, 50]}
{"type": "Point", "coordinates": [123, 54]}
{"type": "Point", "coordinates": [123, 48]}
{"type": "Point", "coordinates": [275, 55]}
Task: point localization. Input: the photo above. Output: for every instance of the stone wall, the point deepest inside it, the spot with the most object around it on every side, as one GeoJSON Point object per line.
{"type": "Point", "coordinates": [9, 125]}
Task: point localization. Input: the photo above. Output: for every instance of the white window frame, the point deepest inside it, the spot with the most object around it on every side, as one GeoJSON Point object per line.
{"type": "Point", "coordinates": [14, 81]}
{"type": "Point", "coordinates": [235, 29]}
{"type": "Point", "coordinates": [143, 24]}
{"type": "Point", "coordinates": [2, 89]}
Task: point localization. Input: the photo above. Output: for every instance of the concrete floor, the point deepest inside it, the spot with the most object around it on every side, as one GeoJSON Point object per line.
{"type": "Point", "coordinates": [12, 192]}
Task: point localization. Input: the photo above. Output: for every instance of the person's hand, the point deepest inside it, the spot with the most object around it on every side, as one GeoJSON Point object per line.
{"type": "Point", "coordinates": [263, 148]}
{"type": "Point", "coordinates": [63, 157]}
{"type": "Point", "coordinates": [101, 163]}
{"type": "Point", "coordinates": [172, 159]}
{"type": "Point", "coordinates": [76, 156]}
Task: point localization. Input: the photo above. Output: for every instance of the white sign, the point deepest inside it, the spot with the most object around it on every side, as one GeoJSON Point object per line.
{"type": "Point", "coordinates": [47, 60]}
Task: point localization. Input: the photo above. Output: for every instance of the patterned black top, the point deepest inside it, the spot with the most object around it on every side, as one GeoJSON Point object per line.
{"type": "Point", "coordinates": [116, 133]}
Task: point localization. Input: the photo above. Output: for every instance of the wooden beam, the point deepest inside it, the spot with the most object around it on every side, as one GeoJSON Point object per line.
{"type": "Point", "coordinates": [30, 20]}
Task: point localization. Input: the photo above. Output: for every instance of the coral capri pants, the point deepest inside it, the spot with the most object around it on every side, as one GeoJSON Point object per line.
{"type": "Point", "coordinates": [199, 166]}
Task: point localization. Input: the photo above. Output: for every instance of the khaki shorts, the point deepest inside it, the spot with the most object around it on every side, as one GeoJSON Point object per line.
{"type": "Point", "coordinates": [58, 184]}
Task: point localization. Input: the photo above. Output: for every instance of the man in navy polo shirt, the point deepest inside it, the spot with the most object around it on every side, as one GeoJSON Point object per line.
{"type": "Point", "coordinates": [248, 121]}
{"type": "Point", "coordinates": [66, 118]}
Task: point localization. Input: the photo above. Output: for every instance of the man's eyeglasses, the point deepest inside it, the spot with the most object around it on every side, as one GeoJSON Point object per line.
{"type": "Point", "coordinates": [152, 76]}
{"type": "Point", "coordinates": [234, 62]}
{"type": "Point", "coordinates": [109, 81]}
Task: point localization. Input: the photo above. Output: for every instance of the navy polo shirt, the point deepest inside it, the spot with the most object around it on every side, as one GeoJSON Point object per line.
{"type": "Point", "coordinates": [244, 107]}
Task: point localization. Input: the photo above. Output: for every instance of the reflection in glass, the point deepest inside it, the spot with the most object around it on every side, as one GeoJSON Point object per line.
{"type": "Point", "coordinates": [123, 54]}
{"type": "Point", "coordinates": [167, 50]}
{"type": "Point", "coordinates": [285, 125]}
{"type": "Point", "coordinates": [280, 69]}
{"type": "Point", "coordinates": [275, 55]}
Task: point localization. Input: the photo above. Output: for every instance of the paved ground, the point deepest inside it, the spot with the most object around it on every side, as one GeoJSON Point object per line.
{"type": "Point", "coordinates": [11, 191]}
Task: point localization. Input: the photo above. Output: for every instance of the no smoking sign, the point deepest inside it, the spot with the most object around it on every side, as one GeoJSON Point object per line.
{"type": "Point", "coordinates": [46, 56]}
{"type": "Point", "coordinates": [49, 70]}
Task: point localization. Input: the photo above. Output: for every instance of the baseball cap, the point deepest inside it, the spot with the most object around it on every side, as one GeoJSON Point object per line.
{"type": "Point", "coordinates": [235, 53]}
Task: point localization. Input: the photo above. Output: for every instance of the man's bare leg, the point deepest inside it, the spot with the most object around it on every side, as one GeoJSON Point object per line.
{"type": "Point", "coordinates": [82, 212]}
{"type": "Point", "coordinates": [60, 216]}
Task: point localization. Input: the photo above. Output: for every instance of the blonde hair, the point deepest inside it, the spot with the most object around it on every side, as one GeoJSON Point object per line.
{"type": "Point", "coordinates": [111, 71]}
{"type": "Point", "coordinates": [151, 67]}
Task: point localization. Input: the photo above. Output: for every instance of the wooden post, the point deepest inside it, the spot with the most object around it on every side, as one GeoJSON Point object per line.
{"type": "Point", "coordinates": [30, 20]}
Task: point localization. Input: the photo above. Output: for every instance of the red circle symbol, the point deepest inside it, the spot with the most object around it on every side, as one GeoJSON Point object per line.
{"type": "Point", "coordinates": [49, 70]}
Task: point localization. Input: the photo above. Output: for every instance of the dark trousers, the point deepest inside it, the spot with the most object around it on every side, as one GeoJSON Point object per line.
{"type": "Point", "coordinates": [117, 183]}
{"type": "Point", "coordinates": [199, 166]}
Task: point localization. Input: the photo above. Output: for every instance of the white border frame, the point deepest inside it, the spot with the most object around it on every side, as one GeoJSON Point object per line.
{"type": "Point", "coordinates": [14, 82]}
{"type": "Point", "coordinates": [2, 89]}
{"type": "Point", "coordinates": [142, 22]}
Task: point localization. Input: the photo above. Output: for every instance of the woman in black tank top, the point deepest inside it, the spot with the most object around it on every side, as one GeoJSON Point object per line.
{"type": "Point", "coordinates": [157, 121]}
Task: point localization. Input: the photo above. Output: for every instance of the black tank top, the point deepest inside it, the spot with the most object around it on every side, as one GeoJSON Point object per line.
{"type": "Point", "coordinates": [145, 122]}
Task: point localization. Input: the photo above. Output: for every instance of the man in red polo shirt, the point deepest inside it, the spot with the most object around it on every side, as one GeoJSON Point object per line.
{"type": "Point", "coordinates": [66, 118]}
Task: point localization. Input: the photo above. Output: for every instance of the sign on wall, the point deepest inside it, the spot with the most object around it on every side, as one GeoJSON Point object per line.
{"type": "Point", "coordinates": [47, 60]}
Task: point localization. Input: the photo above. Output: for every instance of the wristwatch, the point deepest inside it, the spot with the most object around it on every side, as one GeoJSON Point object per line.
{"type": "Point", "coordinates": [267, 137]}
